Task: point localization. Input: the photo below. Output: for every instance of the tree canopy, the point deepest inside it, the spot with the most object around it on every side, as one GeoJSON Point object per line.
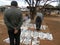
{"type": "Point", "coordinates": [34, 3]}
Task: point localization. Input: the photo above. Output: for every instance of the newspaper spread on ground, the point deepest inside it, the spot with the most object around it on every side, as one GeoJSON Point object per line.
{"type": "Point", "coordinates": [31, 37]}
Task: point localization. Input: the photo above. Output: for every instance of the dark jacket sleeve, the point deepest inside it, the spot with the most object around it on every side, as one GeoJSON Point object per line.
{"type": "Point", "coordinates": [6, 21]}
{"type": "Point", "coordinates": [20, 21]}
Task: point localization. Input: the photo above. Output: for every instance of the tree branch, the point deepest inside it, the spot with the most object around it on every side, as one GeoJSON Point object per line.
{"type": "Point", "coordinates": [28, 2]}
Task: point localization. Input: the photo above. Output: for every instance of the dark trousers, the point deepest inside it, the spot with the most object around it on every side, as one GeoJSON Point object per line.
{"type": "Point", "coordinates": [38, 23]}
{"type": "Point", "coordinates": [14, 38]}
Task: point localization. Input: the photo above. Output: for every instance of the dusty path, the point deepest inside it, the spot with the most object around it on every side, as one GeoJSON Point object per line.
{"type": "Point", "coordinates": [54, 26]}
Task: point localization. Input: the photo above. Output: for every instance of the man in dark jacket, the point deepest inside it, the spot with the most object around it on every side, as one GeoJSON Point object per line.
{"type": "Point", "coordinates": [13, 20]}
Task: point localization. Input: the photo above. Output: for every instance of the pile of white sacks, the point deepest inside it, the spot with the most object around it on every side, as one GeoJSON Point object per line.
{"type": "Point", "coordinates": [28, 36]}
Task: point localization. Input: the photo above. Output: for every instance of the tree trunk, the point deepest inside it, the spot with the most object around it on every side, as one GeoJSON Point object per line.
{"type": "Point", "coordinates": [32, 13]}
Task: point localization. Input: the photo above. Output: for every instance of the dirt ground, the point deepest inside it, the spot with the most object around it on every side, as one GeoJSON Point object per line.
{"type": "Point", "coordinates": [52, 22]}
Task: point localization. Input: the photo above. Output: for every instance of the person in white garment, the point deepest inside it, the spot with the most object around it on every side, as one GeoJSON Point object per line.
{"type": "Point", "coordinates": [38, 20]}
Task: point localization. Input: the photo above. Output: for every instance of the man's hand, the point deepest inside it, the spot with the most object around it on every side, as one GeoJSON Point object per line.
{"type": "Point", "coordinates": [15, 31]}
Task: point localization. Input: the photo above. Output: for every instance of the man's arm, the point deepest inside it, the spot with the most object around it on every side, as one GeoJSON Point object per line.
{"type": "Point", "coordinates": [6, 21]}
{"type": "Point", "coordinates": [20, 22]}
